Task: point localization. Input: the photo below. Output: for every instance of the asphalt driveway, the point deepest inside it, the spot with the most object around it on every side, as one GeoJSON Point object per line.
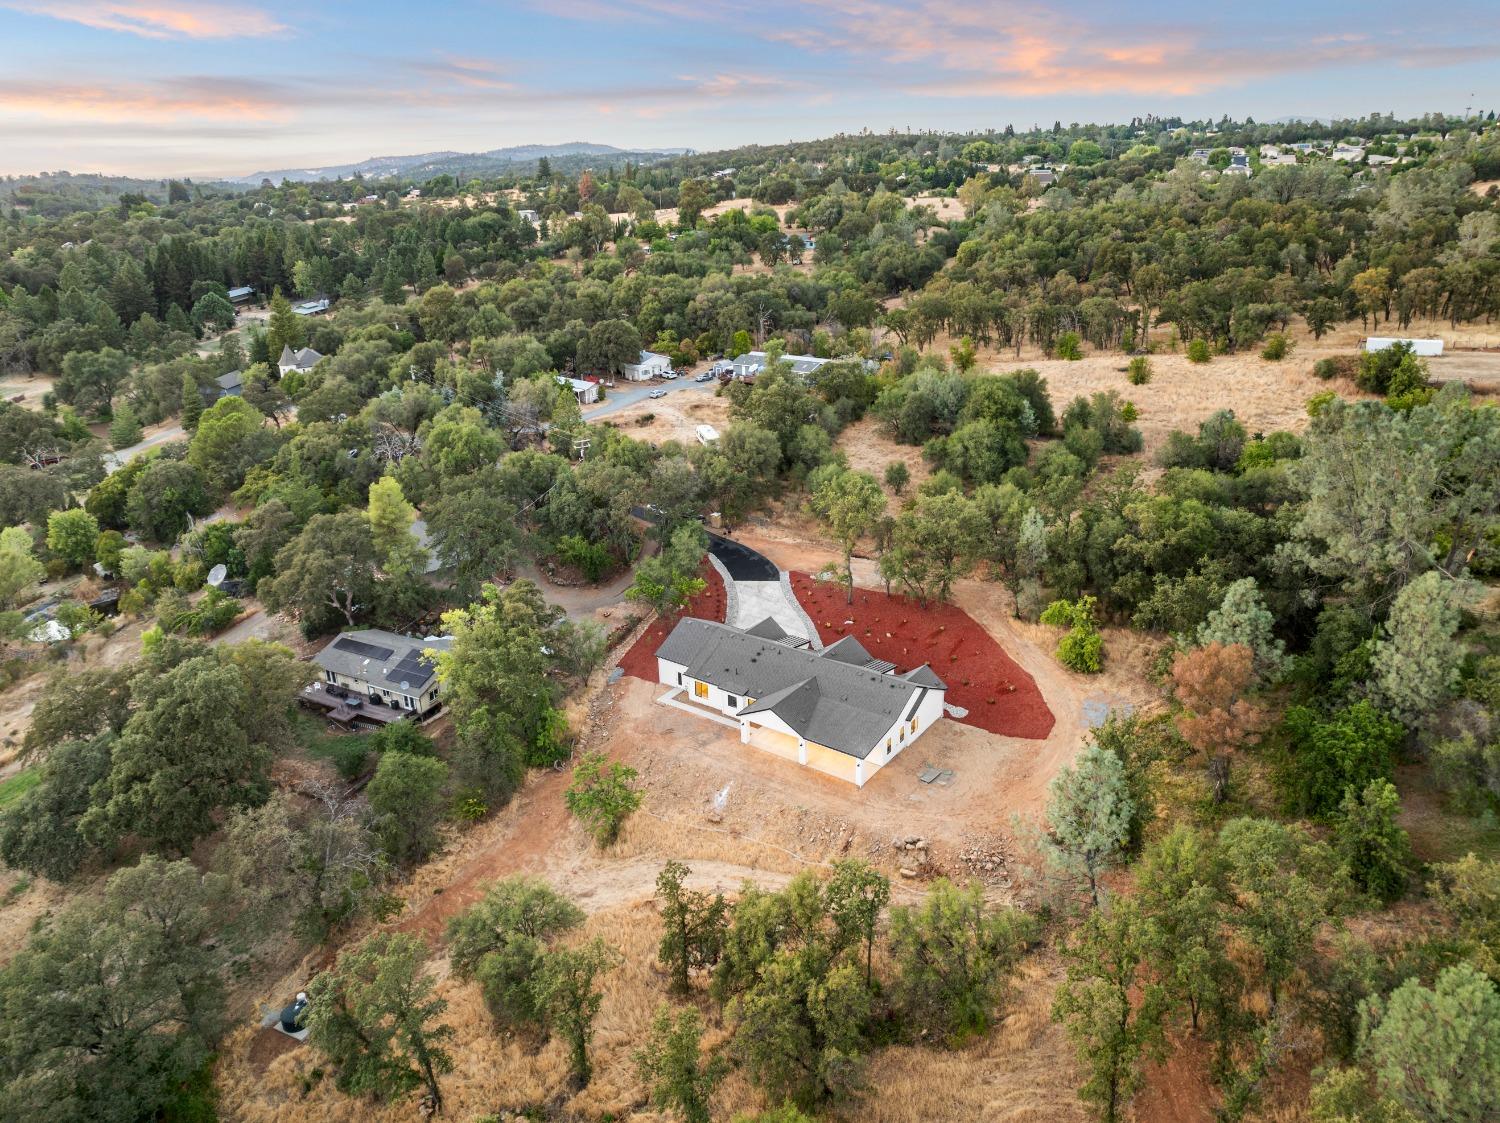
{"type": "Point", "coordinates": [743, 563]}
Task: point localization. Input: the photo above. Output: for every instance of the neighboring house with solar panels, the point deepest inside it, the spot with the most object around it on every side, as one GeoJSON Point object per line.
{"type": "Point", "coordinates": [839, 710]}
{"type": "Point", "coordinates": [390, 670]}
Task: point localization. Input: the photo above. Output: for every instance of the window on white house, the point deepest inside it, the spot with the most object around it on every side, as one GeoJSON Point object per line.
{"type": "Point", "coordinates": [734, 703]}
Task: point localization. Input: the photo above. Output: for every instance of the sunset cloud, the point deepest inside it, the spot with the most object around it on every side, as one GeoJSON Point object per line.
{"type": "Point", "coordinates": [152, 20]}
{"type": "Point", "coordinates": [165, 101]}
{"type": "Point", "coordinates": [1033, 50]}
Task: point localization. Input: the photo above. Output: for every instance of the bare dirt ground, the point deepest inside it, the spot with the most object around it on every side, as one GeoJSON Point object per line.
{"type": "Point", "coordinates": [29, 388]}
{"type": "Point", "coordinates": [671, 420]}
{"type": "Point", "coordinates": [668, 215]}
{"type": "Point", "coordinates": [948, 210]}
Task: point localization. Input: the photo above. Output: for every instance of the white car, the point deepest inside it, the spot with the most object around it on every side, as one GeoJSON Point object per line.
{"type": "Point", "coordinates": [668, 375]}
{"type": "Point", "coordinates": [657, 393]}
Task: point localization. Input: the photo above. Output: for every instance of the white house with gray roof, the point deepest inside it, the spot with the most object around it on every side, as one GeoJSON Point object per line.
{"type": "Point", "coordinates": [651, 364]}
{"type": "Point", "coordinates": [839, 710]}
{"type": "Point", "coordinates": [304, 359]}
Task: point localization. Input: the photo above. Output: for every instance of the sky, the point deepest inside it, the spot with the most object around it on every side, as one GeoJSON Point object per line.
{"type": "Point", "coordinates": [208, 88]}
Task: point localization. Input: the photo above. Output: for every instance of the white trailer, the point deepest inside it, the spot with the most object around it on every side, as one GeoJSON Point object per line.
{"type": "Point", "coordinates": [1427, 348]}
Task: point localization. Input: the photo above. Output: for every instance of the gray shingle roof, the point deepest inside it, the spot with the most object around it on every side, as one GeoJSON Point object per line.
{"type": "Point", "coordinates": [383, 658]}
{"type": "Point", "coordinates": [828, 701]}
{"type": "Point", "coordinates": [925, 676]}
{"type": "Point", "coordinates": [305, 359]}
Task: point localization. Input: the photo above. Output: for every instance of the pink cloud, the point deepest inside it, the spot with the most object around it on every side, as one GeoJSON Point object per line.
{"type": "Point", "coordinates": [152, 19]}
{"type": "Point", "coordinates": [202, 99]}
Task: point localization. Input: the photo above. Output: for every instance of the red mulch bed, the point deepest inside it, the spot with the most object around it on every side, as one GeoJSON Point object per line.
{"type": "Point", "coordinates": [981, 677]}
{"type": "Point", "coordinates": [710, 604]}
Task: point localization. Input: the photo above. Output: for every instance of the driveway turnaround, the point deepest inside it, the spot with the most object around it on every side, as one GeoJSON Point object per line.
{"type": "Point", "coordinates": [757, 589]}
{"type": "Point", "coordinates": [743, 563]}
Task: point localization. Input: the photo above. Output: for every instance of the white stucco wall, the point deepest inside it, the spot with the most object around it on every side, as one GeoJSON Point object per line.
{"type": "Point", "coordinates": [900, 735]}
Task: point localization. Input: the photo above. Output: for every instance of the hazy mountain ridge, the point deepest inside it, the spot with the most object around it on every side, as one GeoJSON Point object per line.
{"type": "Point", "coordinates": [425, 165]}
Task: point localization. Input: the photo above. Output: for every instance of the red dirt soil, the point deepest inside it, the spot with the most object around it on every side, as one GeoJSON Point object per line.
{"type": "Point", "coordinates": [981, 677]}
{"type": "Point", "coordinates": [710, 604]}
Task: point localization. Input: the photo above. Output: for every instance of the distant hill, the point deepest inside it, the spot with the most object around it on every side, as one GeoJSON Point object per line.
{"type": "Point", "coordinates": [425, 165]}
{"type": "Point", "coordinates": [52, 194]}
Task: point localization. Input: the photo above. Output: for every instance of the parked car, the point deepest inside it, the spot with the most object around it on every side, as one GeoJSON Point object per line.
{"type": "Point", "coordinates": [669, 373]}
{"type": "Point", "coordinates": [657, 393]}
{"type": "Point", "coordinates": [706, 376]}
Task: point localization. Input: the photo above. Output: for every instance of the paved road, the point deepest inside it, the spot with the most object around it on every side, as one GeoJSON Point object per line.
{"type": "Point", "coordinates": [114, 461]}
{"type": "Point", "coordinates": [627, 394]}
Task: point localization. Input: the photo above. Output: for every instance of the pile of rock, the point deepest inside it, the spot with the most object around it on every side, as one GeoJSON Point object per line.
{"type": "Point", "coordinates": [985, 859]}
{"type": "Point", "coordinates": [913, 855]}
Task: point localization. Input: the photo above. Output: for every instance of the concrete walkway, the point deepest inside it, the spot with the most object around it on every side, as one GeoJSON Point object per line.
{"type": "Point", "coordinates": [670, 699]}
{"type": "Point", "coordinates": [758, 589]}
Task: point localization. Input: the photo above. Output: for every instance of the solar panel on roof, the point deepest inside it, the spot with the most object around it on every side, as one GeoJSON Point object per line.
{"type": "Point", "coordinates": [362, 649]}
{"type": "Point", "coordinates": [413, 668]}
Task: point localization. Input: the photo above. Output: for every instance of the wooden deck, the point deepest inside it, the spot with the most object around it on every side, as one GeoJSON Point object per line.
{"type": "Point", "coordinates": [338, 710]}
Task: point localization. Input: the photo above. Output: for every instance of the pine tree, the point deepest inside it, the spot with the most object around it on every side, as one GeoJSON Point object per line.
{"type": "Point", "coordinates": [1088, 818]}
{"type": "Point", "coordinates": [192, 403]}
{"type": "Point", "coordinates": [392, 290]}
{"type": "Point", "coordinates": [1417, 663]}
{"type": "Point", "coordinates": [124, 427]}
{"type": "Point", "coordinates": [1436, 1050]}
{"type": "Point", "coordinates": [1243, 618]}
{"type": "Point", "coordinates": [284, 328]}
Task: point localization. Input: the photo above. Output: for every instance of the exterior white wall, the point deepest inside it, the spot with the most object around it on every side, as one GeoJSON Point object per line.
{"type": "Point", "coordinates": [900, 735]}
{"type": "Point", "coordinates": [716, 699]}
{"type": "Point", "coordinates": [642, 372]}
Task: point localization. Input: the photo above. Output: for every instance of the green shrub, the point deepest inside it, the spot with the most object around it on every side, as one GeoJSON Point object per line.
{"type": "Point", "coordinates": [1337, 366]}
{"type": "Point", "coordinates": [602, 796]}
{"type": "Point", "coordinates": [1069, 346]}
{"type": "Point", "coordinates": [1198, 351]}
{"type": "Point", "coordinates": [1082, 648]}
{"type": "Point", "coordinates": [1278, 346]}
{"type": "Point", "coordinates": [1139, 371]}
{"type": "Point", "coordinates": [592, 559]}
{"type": "Point", "coordinates": [348, 753]}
